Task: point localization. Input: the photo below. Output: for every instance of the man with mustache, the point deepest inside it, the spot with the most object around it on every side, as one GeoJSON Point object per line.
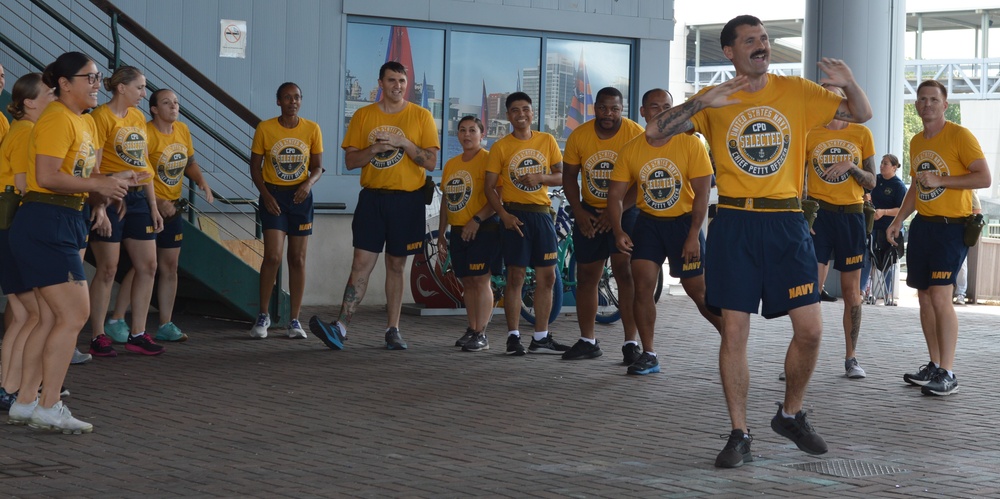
{"type": "Point", "coordinates": [759, 248]}
{"type": "Point", "coordinates": [592, 149]}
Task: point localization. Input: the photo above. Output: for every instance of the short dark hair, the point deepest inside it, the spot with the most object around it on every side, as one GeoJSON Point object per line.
{"type": "Point", "coordinates": [287, 84]}
{"type": "Point", "coordinates": [609, 92]}
{"type": "Point", "coordinates": [649, 93]}
{"type": "Point", "coordinates": [516, 96]}
{"type": "Point", "coordinates": [478, 122]}
{"type": "Point", "coordinates": [728, 35]}
{"type": "Point", "coordinates": [936, 84]}
{"type": "Point", "coordinates": [153, 97]}
{"type": "Point", "coordinates": [391, 66]}
{"type": "Point", "coordinates": [66, 66]}
{"type": "Point", "coordinates": [893, 160]}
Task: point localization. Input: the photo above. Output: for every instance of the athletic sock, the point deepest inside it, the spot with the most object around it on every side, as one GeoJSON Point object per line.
{"type": "Point", "coordinates": [592, 341]}
{"type": "Point", "coordinates": [540, 335]}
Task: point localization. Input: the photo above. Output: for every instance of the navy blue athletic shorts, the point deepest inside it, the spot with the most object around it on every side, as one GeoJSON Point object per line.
{"type": "Point", "coordinates": [49, 239]}
{"type": "Point", "coordinates": [476, 257]}
{"type": "Point", "coordinates": [391, 220]}
{"type": "Point", "coordinates": [754, 256]}
{"type": "Point", "coordinates": [10, 272]}
{"type": "Point", "coordinates": [295, 219]}
{"type": "Point", "coordinates": [842, 236]}
{"type": "Point", "coordinates": [934, 253]}
{"type": "Point", "coordinates": [172, 235]}
{"type": "Point", "coordinates": [602, 245]}
{"type": "Point", "coordinates": [658, 240]}
{"type": "Point", "coordinates": [538, 246]}
{"type": "Point", "coordinates": [137, 224]}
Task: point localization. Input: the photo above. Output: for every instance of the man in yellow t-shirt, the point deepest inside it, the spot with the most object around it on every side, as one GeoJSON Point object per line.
{"type": "Point", "coordinates": [592, 150]}
{"type": "Point", "coordinates": [395, 144]}
{"type": "Point", "coordinates": [526, 163]}
{"type": "Point", "coordinates": [840, 166]}
{"type": "Point", "coordinates": [673, 177]}
{"type": "Point", "coordinates": [946, 165]}
{"type": "Point", "coordinates": [759, 248]}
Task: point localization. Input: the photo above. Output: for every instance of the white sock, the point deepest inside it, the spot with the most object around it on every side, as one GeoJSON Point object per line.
{"type": "Point", "coordinates": [514, 332]}
{"type": "Point", "coordinates": [651, 353]}
{"type": "Point", "coordinates": [114, 321]}
{"type": "Point", "coordinates": [631, 342]}
{"type": "Point", "coordinates": [786, 415]}
{"type": "Point", "coordinates": [592, 341]}
{"type": "Point", "coordinates": [540, 335]}
{"type": "Point", "coordinates": [951, 374]}
{"type": "Point", "coordinates": [130, 335]}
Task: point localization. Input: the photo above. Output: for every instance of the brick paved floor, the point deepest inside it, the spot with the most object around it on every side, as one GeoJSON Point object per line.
{"type": "Point", "coordinates": [224, 415]}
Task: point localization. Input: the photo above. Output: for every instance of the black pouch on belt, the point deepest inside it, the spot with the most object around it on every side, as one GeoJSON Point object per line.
{"type": "Point", "coordinates": [428, 190]}
{"type": "Point", "coordinates": [9, 201]}
{"type": "Point", "coordinates": [973, 229]}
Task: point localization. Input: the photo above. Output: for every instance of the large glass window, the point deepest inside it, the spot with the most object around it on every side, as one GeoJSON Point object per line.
{"type": "Point", "coordinates": [481, 69]}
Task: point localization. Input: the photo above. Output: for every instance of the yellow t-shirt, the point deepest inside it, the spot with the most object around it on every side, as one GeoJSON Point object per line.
{"type": "Point", "coordinates": [14, 151]}
{"type": "Point", "coordinates": [61, 133]}
{"type": "Point", "coordinates": [123, 139]}
{"type": "Point", "coordinates": [511, 158]}
{"type": "Point", "coordinates": [286, 151]}
{"type": "Point", "coordinates": [826, 147]}
{"type": "Point", "coordinates": [663, 174]}
{"type": "Point", "coordinates": [4, 125]}
{"type": "Point", "coordinates": [464, 186]}
{"type": "Point", "coordinates": [759, 144]}
{"type": "Point", "coordinates": [169, 156]}
{"type": "Point", "coordinates": [948, 153]}
{"type": "Point", "coordinates": [392, 169]}
{"type": "Point", "coordinates": [596, 157]}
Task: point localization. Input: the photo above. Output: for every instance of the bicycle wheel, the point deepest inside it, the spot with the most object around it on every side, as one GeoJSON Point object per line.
{"type": "Point", "coordinates": [528, 297]}
{"type": "Point", "coordinates": [607, 297]}
{"type": "Point", "coordinates": [432, 285]}
{"type": "Point", "coordinates": [659, 286]}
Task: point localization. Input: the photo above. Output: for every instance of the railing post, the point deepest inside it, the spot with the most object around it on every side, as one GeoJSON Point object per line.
{"type": "Point", "coordinates": [116, 59]}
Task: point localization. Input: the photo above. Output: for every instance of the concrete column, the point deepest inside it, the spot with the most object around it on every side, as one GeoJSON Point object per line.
{"type": "Point", "coordinates": [868, 35]}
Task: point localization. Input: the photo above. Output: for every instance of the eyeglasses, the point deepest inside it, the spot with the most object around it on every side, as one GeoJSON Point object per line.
{"type": "Point", "coordinates": [91, 77]}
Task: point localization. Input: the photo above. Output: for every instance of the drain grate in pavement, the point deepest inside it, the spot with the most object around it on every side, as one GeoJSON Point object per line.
{"type": "Point", "coordinates": [847, 468]}
{"type": "Point", "coordinates": [14, 468]}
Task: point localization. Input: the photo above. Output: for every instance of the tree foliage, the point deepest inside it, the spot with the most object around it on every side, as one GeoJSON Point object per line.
{"type": "Point", "coordinates": [912, 126]}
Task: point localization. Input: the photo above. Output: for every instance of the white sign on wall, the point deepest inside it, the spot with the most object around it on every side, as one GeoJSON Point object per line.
{"type": "Point", "coordinates": [233, 41]}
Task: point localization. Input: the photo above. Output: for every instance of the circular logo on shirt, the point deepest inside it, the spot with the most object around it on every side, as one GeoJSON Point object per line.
{"type": "Point", "coordinates": [389, 158]}
{"type": "Point", "coordinates": [525, 162]}
{"type": "Point", "coordinates": [758, 141]}
{"type": "Point", "coordinates": [86, 157]}
{"type": "Point", "coordinates": [171, 163]}
{"type": "Point", "coordinates": [929, 161]}
{"type": "Point", "coordinates": [130, 146]}
{"type": "Point", "coordinates": [597, 173]}
{"type": "Point", "coordinates": [660, 182]}
{"type": "Point", "coordinates": [831, 152]}
{"type": "Point", "coordinates": [458, 190]}
{"type": "Point", "coordinates": [289, 158]}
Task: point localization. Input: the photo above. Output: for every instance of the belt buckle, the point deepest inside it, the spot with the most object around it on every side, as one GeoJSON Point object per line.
{"type": "Point", "coordinates": [748, 204]}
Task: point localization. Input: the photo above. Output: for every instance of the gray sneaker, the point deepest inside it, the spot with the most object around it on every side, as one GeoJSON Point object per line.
{"type": "Point", "coordinates": [394, 340]}
{"type": "Point", "coordinates": [80, 357]}
{"type": "Point", "coordinates": [58, 418]}
{"type": "Point", "coordinates": [853, 370]}
{"type": "Point", "coordinates": [20, 414]}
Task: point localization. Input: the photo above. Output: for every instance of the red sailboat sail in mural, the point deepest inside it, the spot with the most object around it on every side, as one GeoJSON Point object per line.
{"type": "Point", "coordinates": [398, 50]}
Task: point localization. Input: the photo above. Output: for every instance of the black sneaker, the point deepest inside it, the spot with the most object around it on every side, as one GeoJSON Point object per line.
{"type": "Point", "coordinates": [645, 364]}
{"type": "Point", "coordinates": [332, 334]}
{"type": "Point", "coordinates": [6, 399]}
{"type": "Point", "coordinates": [143, 344]}
{"type": "Point", "coordinates": [583, 350]}
{"type": "Point", "coordinates": [477, 343]}
{"type": "Point", "coordinates": [467, 337]}
{"type": "Point", "coordinates": [630, 354]}
{"type": "Point", "coordinates": [548, 345]}
{"type": "Point", "coordinates": [393, 340]}
{"type": "Point", "coordinates": [941, 384]}
{"type": "Point", "coordinates": [799, 431]}
{"type": "Point", "coordinates": [736, 452]}
{"type": "Point", "coordinates": [823, 295]}
{"type": "Point", "coordinates": [922, 376]}
{"type": "Point", "coordinates": [514, 346]}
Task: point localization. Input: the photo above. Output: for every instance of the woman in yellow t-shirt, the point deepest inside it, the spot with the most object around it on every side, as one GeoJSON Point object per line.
{"type": "Point", "coordinates": [121, 128]}
{"type": "Point", "coordinates": [286, 160]}
{"type": "Point", "coordinates": [171, 154]}
{"type": "Point", "coordinates": [28, 99]}
{"type": "Point", "coordinates": [51, 233]}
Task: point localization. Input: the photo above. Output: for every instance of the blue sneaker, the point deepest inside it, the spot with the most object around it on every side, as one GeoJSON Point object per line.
{"type": "Point", "coordinates": [118, 331]}
{"type": "Point", "coordinates": [6, 399]}
{"type": "Point", "coordinates": [332, 335]}
{"type": "Point", "coordinates": [170, 332]}
{"type": "Point", "coordinates": [646, 364]}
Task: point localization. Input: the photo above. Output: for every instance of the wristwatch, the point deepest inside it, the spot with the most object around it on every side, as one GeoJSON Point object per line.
{"type": "Point", "coordinates": [477, 219]}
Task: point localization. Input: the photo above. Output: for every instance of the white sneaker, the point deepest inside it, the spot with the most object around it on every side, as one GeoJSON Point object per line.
{"type": "Point", "coordinates": [960, 300]}
{"type": "Point", "coordinates": [259, 330]}
{"type": "Point", "coordinates": [852, 369]}
{"type": "Point", "coordinates": [80, 357]}
{"type": "Point", "coordinates": [20, 414]}
{"type": "Point", "coordinates": [58, 418]}
{"type": "Point", "coordinates": [295, 330]}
